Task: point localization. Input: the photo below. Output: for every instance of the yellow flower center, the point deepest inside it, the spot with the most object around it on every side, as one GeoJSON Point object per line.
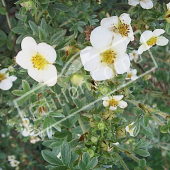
{"type": "Point", "coordinates": [113, 102]}
{"type": "Point", "coordinates": [108, 56]}
{"type": "Point", "coordinates": [2, 76]}
{"type": "Point", "coordinates": [152, 41]}
{"type": "Point", "coordinates": [123, 29]}
{"type": "Point", "coordinates": [39, 62]}
{"type": "Point", "coordinates": [129, 75]}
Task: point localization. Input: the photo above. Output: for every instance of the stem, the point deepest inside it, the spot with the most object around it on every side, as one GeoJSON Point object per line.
{"type": "Point", "coordinates": [9, 25]}
{"type": "Point", "coordinates": [158, 120]}
{"type": "Point", "coordinates": [121, 161]}
{"type": "Point", "coordinates": [130, 155]}
{"type": "Point", "coordinates": [82, 126]}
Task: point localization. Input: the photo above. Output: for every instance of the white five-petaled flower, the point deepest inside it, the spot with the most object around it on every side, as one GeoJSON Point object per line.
{"type": "Point", "coordinates": [134, 55]}
{"type": "Point", "coordinates": [149, 39]}
{"type": "Point", "coordinates": [129, 129]}
{"type": "Point", "coordinates": [38, 59]}
{"type": "Point", "coordinates": [146, 4]}
{"type": "Point", "coordinates": [119, 25]}
{"type": "Point", "coordinates": [131, 74]}
{"type": "Point", "coordinates": [114, 101]}
{"type": "Point", "coordinates": [25, 121]}
{"type": "Point", "coordinates": [11, 157]}
{"type": "Point", "coordinates": [106, 56]}
{"type": "Point", "coordinates": [168, 6]}
{"type": "Point", "coordinates": [14, 163]}
{"type": "Point", "coordinates": [6, 80]}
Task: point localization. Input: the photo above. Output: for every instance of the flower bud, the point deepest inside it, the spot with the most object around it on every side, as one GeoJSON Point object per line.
{"type": "Point", "coordinates": [167, 16]}
{"type": "Point", "coordinates": [121, 132]}
{"type": "Point", "coordinates": [94, 139]}
{"type": "Point", "coordinates": [104, 90]}
{"type": "Point", "coordinates": [77, 79]}
{"type": "Point", "coordinates": [28, 5]}
{"type": "Point", "coordinates": [11, 69]}
{"type": "Point", "coordinates": [105, 145]}
{"type": "Point", "coordinates": [91, 152]}
{"type": "Point", "coordinates": [101, 126]}
{"type": "Point", "coordinates": [147, 76]}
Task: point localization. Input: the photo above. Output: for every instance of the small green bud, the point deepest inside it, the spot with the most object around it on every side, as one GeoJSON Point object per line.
{"type": "Point", "coordinates": [167, 16]}
{"type": "Point", "coordinates": [105, 145]}
{"type": "Point", "coordinates": [101, 126]}
{"type": "Point", "coordinates": [28, 5]}
{"type": "Point", "coordinates": [11, 69]}
{"type": "Point", "coordinates": [121, 132]}
{"type": "Point", "coordinates": [147, 76]}
{"type": "Point", "coordinates": [91, 152]}
{"type": "Point", "coordinates": [104, 90]}
{"type": "Point", "coordinates": [94, 139]}
{"type": "Point", "coordinates": [77, 79]}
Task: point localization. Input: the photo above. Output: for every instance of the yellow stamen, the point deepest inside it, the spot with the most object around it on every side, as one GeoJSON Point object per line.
{"type": "Point", "coordinates": [123, 29]}
{"type": "Point", "coordinates": [39, 62]}
{"type": "Point", "coordinates": [2, 76]}
{"type": "Point", "coordinates": [113, 102]}
{"type": "Point", "coordinates": [108, 56]}
{"type": "Point", "coordinates": [152, 41]}
{"type": "Point", "coordinates": [129, 75]}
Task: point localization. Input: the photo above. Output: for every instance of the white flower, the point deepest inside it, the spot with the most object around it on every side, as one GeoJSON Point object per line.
{"type": "Point", "coordinates": [0, 168]}
{"type": "Point", "coordinates": [11, 157]}
{"type": "Point", "coordinates": [34, 139]}
{"type": "Point", "coordinates": [3, 135]}
{"type": "Point", "coordinates": [25, 132]}
{"type": "Point", "coordinates": [6, 80]}
{"type": "Point", "coordinates": [25, 121]}
{"type": "Point", "coordinates": [38, 59]}
{"type": "Point", "coordinates": [17, 168]}
{"type": "Point", "coordinates": [119, 25]}
{"type": "Point", "coordinates": [131, 74]}
{"type": "Point", "coordinates": [14, 163]}
{"type": "Point", "coordinates": [114, 101]}
{"type": "Point", "coordinates": [146, 4]}
{"type": "Point", "coordinates": [149, 39]}
{"type": "Point", "coordinates": [134, 55]}
{"type": "Point", "coordinates": [130, 130]}
{"type": "Point", "coordinates": [168, 6]}
{"type": "Point", "coordinates": [107, 56]}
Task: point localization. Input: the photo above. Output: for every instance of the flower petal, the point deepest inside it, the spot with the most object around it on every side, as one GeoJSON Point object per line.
{"type": "Point", "coordinates": [103, 72]}
{"type": "Point", "coordinates": [122, 104]}
{"type": "Point", "coordinates": [122, 64]}
{"type": "Point", "coordinates": [101, 37]}
{"type": "Point", "coordinates": [158, 32]}
{"type": "Point", "coordinates": [12, 78]}
{"type": "Point", "coordinates": [112, 108]}
{"type": "Point", "coordinates": [90, 58]}
{"type": "Point", "coordinates": [47, 51]}
{"type": "Point", "coordinates": [50, 75]}
{"type": "Point", "coordinates": [143, 48]}
{"type": "Point", "coordinates": [105, 103]}
{"type": "Point", "coordinates": [168, 6]}
{"type": "Point", "coordinates": [36, 74]}
{"type": "Point", "coordinates": [105, 98]}
{"type": "Point", "coordinates": [145, 36]}
{"type": "Point", "coordinates": [146, 4]}
{"type": "Point", "coordinates": [125, 18]}
{"type": "Point", "coordinates": [162, 41]}
{"type": "Point", "coordinates": [3, 70]}
{"type": "Point", "coordinates": [24, 59]}
{"type": "Point", "coordinates": [109, 22]}
{"type": "Point", "coordinates": [133, 2]}
{"type": "Point", "coordinates": [5, 84]}
{"type": "Point", "coordinates": [29, 46]}
{"type": "Point", "coordinates": [118, 97]}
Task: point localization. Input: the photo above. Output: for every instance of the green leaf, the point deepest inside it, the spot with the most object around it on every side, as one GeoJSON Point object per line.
{"type": "Point", "coordinates": [57, 36]}
{"type": "Point", "coordinates": [62, 134]}
{"type": "Point", "coordinates": [34, 28]}
{"type": "Point", "coordinates": [19, 30]}
{"type": "Point", "coordinates": [86, 158]}
{"type": "Point", "coordinates": [142, 163]}
{"type": "Point", "coordinates": [92, 163]}
{"type": "Point", "coordinates": [2, 11]}
{"type": "Point", "coordinates": [59, 168]}
{"type": "Point", "coordinates": [142, 152]}
{"type": "Point", "coordinates": [61, 7]}
{"type": "Point", "coordinates": [25, 86]}
{"type": "Point", "coordinates": [42, 34]}
{"type": "Point", "coordinates": [51, 158]}
{"type": "Point", "coordinates": [164, 129]}
{"type": "Point", "coordinates": [47, 127]}
{"type": "Point", "coordinates": [65, 153]}
{"type": "Point", "coordinates": [18, 92]}
{"type": "Point", "coordinates": [56, 114]}
{"type": "Point", "coordinates": [44, 25]}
